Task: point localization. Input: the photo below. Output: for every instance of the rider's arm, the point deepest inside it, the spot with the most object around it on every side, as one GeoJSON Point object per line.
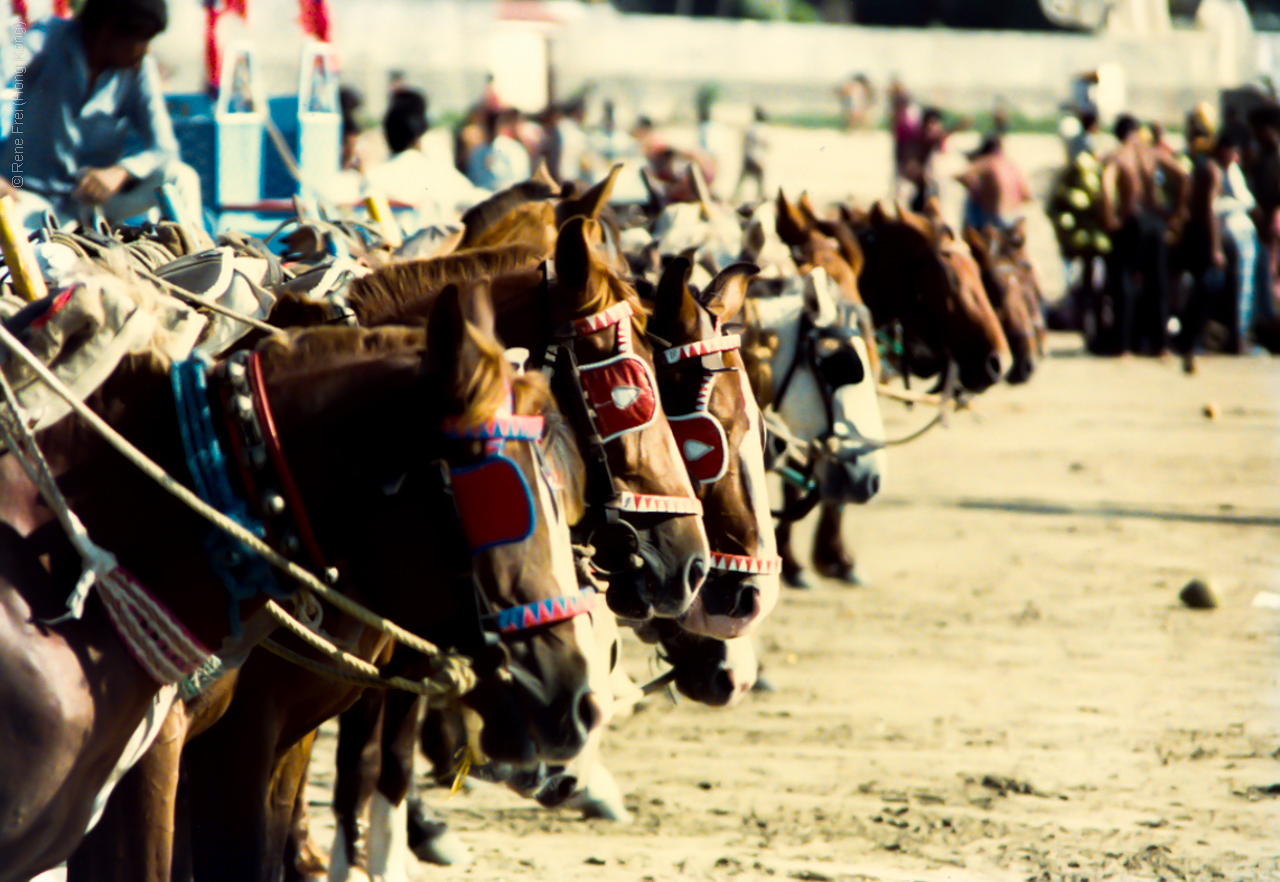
{"type": "Point", "coordinates": [153, 144]}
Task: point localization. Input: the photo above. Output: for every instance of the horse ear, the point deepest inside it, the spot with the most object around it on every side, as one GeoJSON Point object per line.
{"type": "Point", "coordinates": [790, 225]}
{"type": "Point", "coordinates": [592, 202]}
{"type": "Point", "coordinates": [818, 299]}
{"type": "Point", "coordinates": [675, 312]}
{"type": "Point", "coordinates": [451, 351]}
{"type": "Point", "coordinates": [977, 243]}
{"type": "Point", "coordinates": [573, 251]}
{"type": "Point", "coordinates": [542, 175]}
{"type": "Point", "coordinates": [728, 291]}
{"type": "Point", "coordinates": [878, 215]}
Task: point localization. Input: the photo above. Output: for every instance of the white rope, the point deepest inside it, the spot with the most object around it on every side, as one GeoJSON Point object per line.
{"type": "Point", "coordinates": [148, 467]}
{"type": "Point", "coordinates": [160, 643]}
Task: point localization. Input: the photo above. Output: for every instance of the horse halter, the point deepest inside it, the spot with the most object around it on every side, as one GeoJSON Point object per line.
{"type": "Point", "coordinates": [705, 445]}
{"type": "Point", "coordinates": [495, 507]}
{"type": "Point", "coordinates": [612, 398]}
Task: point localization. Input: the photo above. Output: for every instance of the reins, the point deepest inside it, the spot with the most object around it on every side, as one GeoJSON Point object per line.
{"type": "Point", "coordinates": [454, 675]}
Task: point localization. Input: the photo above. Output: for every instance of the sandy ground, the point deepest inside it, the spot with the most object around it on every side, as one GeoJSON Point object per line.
{"type": "Point", "coordinates": [1016, 692]}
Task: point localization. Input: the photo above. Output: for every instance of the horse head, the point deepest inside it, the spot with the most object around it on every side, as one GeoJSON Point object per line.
{"type": "Point", "coordinates": [430, 465]}
{"type": "Point", "coordinates": [648, 538]}
{"type": "Point", "coordinates": [823, 389]}
{"type": "Point", "coordinates": [702, 378]}
{"type": "Point", "coordinates": [912, 275]}
{"type": "Point", "coordinates": [1004, 287]}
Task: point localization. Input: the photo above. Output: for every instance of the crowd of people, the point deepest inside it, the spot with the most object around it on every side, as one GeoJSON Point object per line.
{"type": "Point", "coordinates": [1178, 249]}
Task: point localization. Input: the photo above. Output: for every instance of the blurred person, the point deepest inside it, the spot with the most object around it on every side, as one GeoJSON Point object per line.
{"type": "Point", "coordinates": [995, 187]}
{"type": "Point", "coordinates": [1264, 121]}
{"type": "Point", "coordinates": [904, 120]}
{"type": "Point", "coordinates": [435, 190]}
{"type": "Point", "coordinates": [501, 160]}
{"type": "Point", "coordinates": [1202, 251]}
{"type": "Point", "coordinates": [755, 150]}
{"type": "Point", "coordinates": [1138, 268]}
{"type": "Point", "coordinates": [856, 98]}
{"type": "Point", "coordinates": [1087, 139]}
{"type": "Point", "coordinates": [921, 146]}
{"type": "Point", "coordinates": [350, 102]}
{"type": "Point", "coordinates": [92, 133]}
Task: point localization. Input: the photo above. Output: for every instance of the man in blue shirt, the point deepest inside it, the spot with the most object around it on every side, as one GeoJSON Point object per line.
{"type": "Point", "coordinates": [90, 131]}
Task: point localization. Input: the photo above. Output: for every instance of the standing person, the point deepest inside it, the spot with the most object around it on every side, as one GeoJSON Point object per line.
{"type": "Point", "coordinates": [755, 148]}
{"type": "Point", "coordinates": [996, 188]}
{"type": "Point", "coordinates": [1265, 123]}
{"type": "Point", "coordinates": [856, 96]}
{"type": "Point", "coordinates": [1086, 140]}
{"type": "Point", "coordinates": [436, 190]}
{"type": "Point", "coordinates": [1138, 270]}
{"type": "Point", "coordinates": [905, 122]}
{"type": "Point", "coordinates": [920, 150]}
{"type": "Point", "coordinates": [1203, 251]}
{"type": "Point", "coordinates": [92, 132]}
{"type": "Point", "coordinates": [502, 160]}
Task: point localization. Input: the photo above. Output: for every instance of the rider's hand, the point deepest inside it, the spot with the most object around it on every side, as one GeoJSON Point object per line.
{"type": "Point", "coordinates": [97, 185]}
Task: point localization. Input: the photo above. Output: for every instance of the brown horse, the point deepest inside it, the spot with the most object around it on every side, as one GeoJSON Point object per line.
{"type": "Point", "coordinates": [338, 396]}
{"type": "Point", "coordinates": [1015, 302]}
{"type": "Point", "coordinates": [911, 279]}
{"type": "Point", "coordinates": [548, 710]}
{"type": "Point", "coordinates": [708, 400]}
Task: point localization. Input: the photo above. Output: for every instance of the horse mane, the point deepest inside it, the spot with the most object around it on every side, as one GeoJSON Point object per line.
{"type": "Point", "coordinates": [301, 348]}
{"type": "Point", "coordinates": [405, 291]}
{"type": "Point", "coordinates": [614, 289]}
{"type": "Point", "coordinates": [480, 219]}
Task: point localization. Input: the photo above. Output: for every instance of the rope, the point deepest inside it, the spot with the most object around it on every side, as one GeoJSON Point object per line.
{"type": "Point", "coordinates": [148, 467]}
{"type": "Point", "coordinates": [446, 685]}
{"type": "Point", "coordinates": [195, 300]}
{"type": "Point", "coordinates": [160, 644]}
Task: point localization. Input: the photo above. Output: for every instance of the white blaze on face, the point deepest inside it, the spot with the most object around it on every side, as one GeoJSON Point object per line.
{"type": "Point", "coordinates": [856, 409]}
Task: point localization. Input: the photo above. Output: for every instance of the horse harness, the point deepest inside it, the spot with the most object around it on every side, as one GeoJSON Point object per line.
{"type": "Point", "coordinates": [484, 505]}
{"type": "Point", "coordinates": [702, 439]}
{"type": "Point", "coordinates": [609, 399]}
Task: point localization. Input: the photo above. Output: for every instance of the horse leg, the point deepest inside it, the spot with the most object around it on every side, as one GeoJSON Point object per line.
{"type": "Point", "coordinates": [830, 556]}
{"type": "Point", "coordinates": [303, 859]}
{"type": "Point", "coordinates": [388, 814]}
{"type": "Point", "coordinates": [229, 769]}
{"type": "Point", "coordinates": [134, 838]}
{"type": "Point", "coordinates": [792, 572]}
{"type": "Point", "coordinates": [359, 757]}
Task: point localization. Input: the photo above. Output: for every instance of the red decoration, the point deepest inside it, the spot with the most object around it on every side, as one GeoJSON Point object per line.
{"type": "Point", "coordinates": [315, 19]}
{"type": "Point", "coordinates": [62, 8]}
{"type": "Point", "coordinates": [20, 10]}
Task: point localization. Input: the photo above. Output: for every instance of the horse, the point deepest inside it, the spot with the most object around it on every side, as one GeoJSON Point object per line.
{"type": "Point", "coordinates": [1008, 287]}
{"type": "Point", "coordinates": [818, 379]}
{"type": "Point", "coordinates": [912, 278]}
{"type": "Point", "coordinates": [709, 402]}
{"type": "Point", "coordinates": [536, 696]}
{"type": "Point", "coordinates": [337, 396]}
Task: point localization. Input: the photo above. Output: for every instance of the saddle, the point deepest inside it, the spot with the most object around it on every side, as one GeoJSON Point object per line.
{"type": "Point", "coordinates": [82, 333]}
{"type": "Point", "coordinates": [221, 276]}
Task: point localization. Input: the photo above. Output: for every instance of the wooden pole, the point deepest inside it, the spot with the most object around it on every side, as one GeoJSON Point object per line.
{"type": "Point", "coordinates": [19, 256]}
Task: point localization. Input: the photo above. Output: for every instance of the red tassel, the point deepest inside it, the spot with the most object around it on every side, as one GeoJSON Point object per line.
{"type": "Point", "coordinates": [62, 8]}
{"type": "Point", "coordinates": [212, 54]}
{"type": "Point", "coordinates": [315, 19]}
{"type": "Point", "coordinates": [20, 10]}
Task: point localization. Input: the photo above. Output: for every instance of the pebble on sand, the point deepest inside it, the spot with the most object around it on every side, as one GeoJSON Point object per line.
{"type": "Point", "coordinates": [1197, 595]}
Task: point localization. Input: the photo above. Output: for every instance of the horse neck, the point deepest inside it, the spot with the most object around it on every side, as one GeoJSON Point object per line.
{"type": "Point", "coordinates": [154, 537]}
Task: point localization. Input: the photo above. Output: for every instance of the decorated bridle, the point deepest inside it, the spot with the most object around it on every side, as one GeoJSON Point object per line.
{"type": "Point", "coordinates": [612, 398]}
{"type": "Point", "coordinates": [491, 499]}
{"type": "Point", "coordinates": [703, 443]}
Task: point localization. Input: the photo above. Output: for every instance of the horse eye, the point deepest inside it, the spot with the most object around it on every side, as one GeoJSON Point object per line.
{"type": "Point", "coordinates": [842, 368]}
{"type": "Point", "coordinates": [828, 346]}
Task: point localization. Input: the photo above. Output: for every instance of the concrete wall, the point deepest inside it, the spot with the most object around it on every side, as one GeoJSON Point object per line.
{"type": "Point", "coordinates": [655, 64]}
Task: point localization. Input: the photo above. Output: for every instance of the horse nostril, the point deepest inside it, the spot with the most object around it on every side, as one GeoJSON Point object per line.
{"type": "Point", "coordinates": [587, 713]}
{"type": "Point", "coordinates": [747, 604]}
{"type": "Point", "coordinates": [724, 686]}
{"type": "Point", "coordinates": [873, 485]}
{"type": "Point", "coordinates": [695, 573]}
{"type": "Point", "coordinates": [557, 790]}
{"type": "Point", "coordinates": [993, 367]}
